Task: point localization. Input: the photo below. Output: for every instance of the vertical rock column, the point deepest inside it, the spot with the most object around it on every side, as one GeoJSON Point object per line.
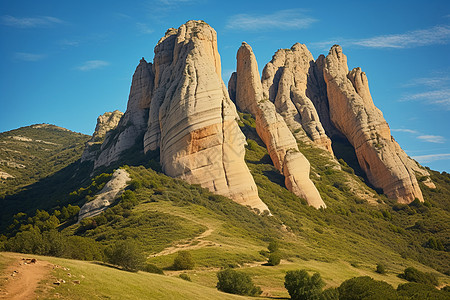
{"type": "Point", "coordinates": [272, 129]}
{"type": "Point", "coordinates": [353, 112]}
{"type": "Point", "coordinates": [192, 119]}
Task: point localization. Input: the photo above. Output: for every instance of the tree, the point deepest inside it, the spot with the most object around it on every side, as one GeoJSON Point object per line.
{"type": "Point", "coordinates": [234, 282]}
{"type": "Point", "coordinates": [183, 261]}
{"type": "Point", "coordinates": [366, 288]}
{"type": "Point", "coordinates": [413, 275]}
{"type": "Point", "coordinates": [273, 246]}
{"type": "Point", "coordinates": [127, 255]}
{"type": "Point", "coordinates": [380, 268]}
{"type": "Point", "coordinates": [274, 259]}
{"type": "Point", "coordinates": [301, 286]}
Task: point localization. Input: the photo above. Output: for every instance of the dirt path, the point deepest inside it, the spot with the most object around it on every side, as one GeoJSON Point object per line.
{"type": "Point", "coordinates": [194, 243]}
{"type": "Point", "coordinates": [22, 278]}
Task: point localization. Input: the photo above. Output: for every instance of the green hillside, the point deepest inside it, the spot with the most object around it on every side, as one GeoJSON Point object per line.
{"type": "Point", "coordinates": [359, 229]}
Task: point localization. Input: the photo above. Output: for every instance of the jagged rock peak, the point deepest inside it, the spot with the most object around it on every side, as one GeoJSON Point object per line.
{"type": "Point", "coordinates": [353, 112]}
{"type": "Point", "coordinates": [272, 129]}
{"type": "Point", "coordinates": [286, 81]}
{"type": "Point", "coordinates": [191, 118]}
{"type": "Point", "coordinates": [106, 122]}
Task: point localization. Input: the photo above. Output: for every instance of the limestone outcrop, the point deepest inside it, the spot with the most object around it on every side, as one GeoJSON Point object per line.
{"type": "Point", "coordinates": [272, 129]}
{"type": "Point", "coordinates": [286, 81]}
{"type": "Point", "coordinates": [132, 125]}
{"type": "Point", "coordinates": [109, 193]}
{"type": "Point", "coordinates": [353, 113]}
{"type": "Point", "coordinates": [106, 122]}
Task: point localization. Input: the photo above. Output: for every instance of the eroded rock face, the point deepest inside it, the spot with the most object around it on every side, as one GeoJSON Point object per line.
{"type": "Point", "coordinates": [286, 81]}
{"type": "Point", "coordinates": [110, 192]}
{"type": "Point", "coordinates": [192, 119]}
{"type": "Point", "coordinates": [272, 129]}
{"type": "Point", "coordinates": [106, 122]}
{"type": "Point", "coordinates": [133, 123]}
{"type": "Point", "coordinates": [353, 112]}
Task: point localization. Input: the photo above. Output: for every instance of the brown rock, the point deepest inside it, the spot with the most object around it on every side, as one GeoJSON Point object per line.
{"type": "Point", "coordinates": [286, 82]}
{"type": "Point", "coordinates": [192, 119]}
{"type": "Point", "coordinates": [272, 129]}
{"type": "Point", "coordinates": [353, 112]}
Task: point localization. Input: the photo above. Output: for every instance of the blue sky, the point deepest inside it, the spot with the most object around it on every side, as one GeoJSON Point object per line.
{"type": "Point", "coordinates": [67, 62]}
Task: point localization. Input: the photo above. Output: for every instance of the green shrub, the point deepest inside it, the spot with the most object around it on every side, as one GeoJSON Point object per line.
{"type": "Point", "coordinates": [274, 259]}
{"type": "Point", "coordinates": [183, 261]}
{"type": "Point", "coordinates": [366, 288]}
{"type": "Point", "coordinates": [273, 246]}
{"type": "Point", "coordinates": [185, 276]}
{"type": "Point", "coordinates": [151, 268]}
{"type": "Point", "coordinates": [127, 255]}
{"type": "Point", "coordinates": [414, 275]}
{"type": "Point", "coordinates": [301, 286]}
{"type": "Point", "coordinates": [234, 282]}
{"type": "Point", "coordinates": [435, 244]}
{"type": "Point", "coordinates": [380, 269]}
{"type": "Point", "coordinates": [330, 294]}
{"type": "Point", "coordinates": [419, 291]}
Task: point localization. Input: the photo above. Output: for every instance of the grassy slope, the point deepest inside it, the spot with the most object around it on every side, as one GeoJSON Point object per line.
{"type": "Point", "coordinates": [103, 282]}
{"type": "Point", "coordinates": [341, 242]}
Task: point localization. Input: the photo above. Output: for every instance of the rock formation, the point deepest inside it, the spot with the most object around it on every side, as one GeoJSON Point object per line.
{"type": "Point", "coordinates": [109, 193]}
{"type": "Point", "coordinates": [134, 122]}
{"type": "Point", "coordinates": [106, 122]}
{"type": "Point", "coordinates": [272, 129]}
{"type": "Point", "coordinates": [286, 81]}
{"type": "Point", "coordinates": [180, 105]}
{"type": "Point", "coordinates": [353, 112]}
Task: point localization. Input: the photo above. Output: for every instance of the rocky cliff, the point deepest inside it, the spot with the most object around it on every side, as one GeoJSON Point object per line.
{"type": "Point", "coordinates": [272, 128]}
{"type": "Point", "coordinates": [353, 112]}
{"type": "Point", "coordinates": [106, 122]}
{"type": "Point", "coordinates": [180, 105]}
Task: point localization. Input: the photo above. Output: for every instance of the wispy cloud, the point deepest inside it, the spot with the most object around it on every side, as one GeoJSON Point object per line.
{"type": "Point", "coordinates": [433, 82]}
{"type": "Point", "coordinates": [92, 65]}
{"type": "Point", "coordinates": [437, 35]}
{"type": "Point", "coordinates": [173, 2]}
{"type": "Point", "coordinates": [439, 97]}
{"type": "Point", "coordinates": [143, 28]}
{"type": "Point", "coordinates": [431, 157]}
{"type": "Point", "coordinates": [43, 21]}
{"type": "Point", "coordinates": [29, 56]}
{"type": "Point", "coordinates": [432, 139]}
{"type": "Point", "coordinates": [287, 19]}
{"type": "Point", "coordinates": [405, 130]}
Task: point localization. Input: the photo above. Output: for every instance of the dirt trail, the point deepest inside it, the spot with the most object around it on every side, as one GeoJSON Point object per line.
{"type": "Point", "coordinates": [22, 278]}
{"type": "Point", "coordinates": [194, 243]}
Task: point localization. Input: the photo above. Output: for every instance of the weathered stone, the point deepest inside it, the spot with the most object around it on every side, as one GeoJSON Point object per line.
{"type": "Point", "coordinates": [106, 122]}
{"type": "Point", "coordinates": [286, 82]}
{"type": "Point", "coordinates": [103, 199]}
{"type": "Point", "coordinates": [353, 112]}
{"type": "Point", "coordinates": [192, 119]}
{"type": "Point", "coordinates": [272, 129]}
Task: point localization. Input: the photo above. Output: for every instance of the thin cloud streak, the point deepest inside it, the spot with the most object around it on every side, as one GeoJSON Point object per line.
{"type": "Point", "coordinates": [431, 157]}
{"type": "Point", "coordinates": [437, 35]}
{"type": "Point", "coordinates": [144, 29]}
{"type": "Point", "coordinates": [405, 130]}
{"type": "Point", "coordinates": [284, 19]}
{"type": "Point", "coordinates": [439, 97]}
{"type": "Point", "coordinates": [28, 56]}
{"type": "Point", "coordinates": [92, 65]}
{"type": "Point", "coordinates": [432, 139]}
{"type": "Point", "coordinates": [43, 21]}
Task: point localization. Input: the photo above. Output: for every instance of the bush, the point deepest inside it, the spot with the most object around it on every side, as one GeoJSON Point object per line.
{"type": "Point", "coordinates": [380, 269]}
{"type": "Point", "coordinates": [183, 261]}
{"type": "Point", "coordinates": [185, 276]}
{"type": "Point", "coordinates": [127, 255]}
{"type": "Point", "coordinates": [234, 282]}
{"type": "Point", "coordinates": [330, 294]}
{"type": "Point", "coordinates": [301, 286]}
{"type": "Point", "coordinates": [419, 291]}
{"type": "Point", "coordinates": [273, 246]}
{"type": "Point", "coordinates": [151, 268]}
{"type": "Point", "coordinates": [366, 288]}
{"type": "Point", "coordinates": [414, 275]}
{"type": "Point", "coordinates": [274, 259]}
